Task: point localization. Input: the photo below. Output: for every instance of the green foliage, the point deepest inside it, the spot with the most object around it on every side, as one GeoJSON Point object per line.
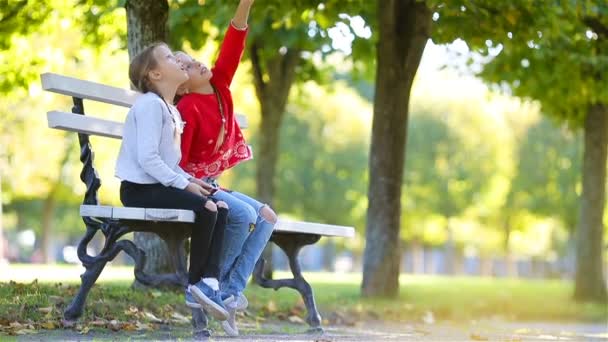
{"type": "Point", "coordinates": [323, 159]}
{"type": "Point", "coordinates": [554, 52]}
{"type": "Point", "coordinates": [18, 19]}
{"type": "Point", "coordinates": [274, 26]}
{"type": "Point", "coordinates": [453, 158]}
{"type": "Point", "coordinates": [547, 180]}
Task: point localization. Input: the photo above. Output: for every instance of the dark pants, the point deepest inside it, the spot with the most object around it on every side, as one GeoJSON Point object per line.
{"type": "Point", "coordinates": [208, 229]}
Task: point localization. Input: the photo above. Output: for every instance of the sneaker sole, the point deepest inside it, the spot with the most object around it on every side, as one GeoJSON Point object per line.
{"type": "Point", "coordinates": [243, 304]}
{"type": "Point", "coordinates": [215, 310]}
{"type": "Point", "coordinates": [240, 305]}
{"type": "Point", "coordinates": [228, 329]}
{"type": "Point", "coordinates": [194, 305]}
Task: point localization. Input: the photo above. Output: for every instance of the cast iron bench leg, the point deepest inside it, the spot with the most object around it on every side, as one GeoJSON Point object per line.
{"type": "Point", "coordinates": [291, 245]}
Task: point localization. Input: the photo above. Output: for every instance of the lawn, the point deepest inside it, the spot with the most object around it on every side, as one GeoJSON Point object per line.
{"type": "Point", "coordinates": [113, 304]}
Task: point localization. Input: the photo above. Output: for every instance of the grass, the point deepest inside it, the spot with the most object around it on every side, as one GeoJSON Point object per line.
{"type": "Point", "coordinates": [39, 304]}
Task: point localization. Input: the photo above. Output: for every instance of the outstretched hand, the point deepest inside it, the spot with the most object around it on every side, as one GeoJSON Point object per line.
{"type": "Point", "coordinates": [242, 14]}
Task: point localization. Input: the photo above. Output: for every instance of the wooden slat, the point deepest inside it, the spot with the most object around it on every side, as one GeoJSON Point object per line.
{"type": "Point", "coordinates": [96, 211]}
{"type": "Point", "coordinates": [177, 215]}
{"type": "Point", "coordinates": [84, 124]}
{"type": "Point", "coordinates": [143, 214]}
{"type": "Point", "coordinates": [285, 226]}
{"type": "Point", "coordinates": [88, 90]}
{"type": "Point", "coordinates": [99, 92]}
{"type": "Point", "coordinates": [172, 215]}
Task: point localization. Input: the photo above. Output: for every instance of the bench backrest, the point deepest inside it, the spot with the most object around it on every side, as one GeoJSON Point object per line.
{"type": "Point", "coordinates": [88, 90]}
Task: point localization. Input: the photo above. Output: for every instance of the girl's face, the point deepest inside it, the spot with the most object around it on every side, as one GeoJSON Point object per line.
{"type": "Point", "coordinates": [198, 73]}
{"type": "Point", "coordinates": [168, 68]}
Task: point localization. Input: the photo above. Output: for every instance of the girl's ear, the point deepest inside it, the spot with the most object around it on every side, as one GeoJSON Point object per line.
{"type": "Point", "coordinates": [154, 75]}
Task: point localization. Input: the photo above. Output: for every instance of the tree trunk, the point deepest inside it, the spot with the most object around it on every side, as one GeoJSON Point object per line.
{"type": "Point", "coordinates": [48, 213]}
{"type": "Point", "coordinates": [510, 265]}
{"type": "Point", "coordinates": [403, 32]}
{"type": "Point", "coordinates": [589, 242]}
{"type": "Point", "coordinates": [273, 80]}
{"type": "Point", "coordinates": [146, 24]}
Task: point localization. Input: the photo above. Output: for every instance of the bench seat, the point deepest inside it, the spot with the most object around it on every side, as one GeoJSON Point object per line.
{"type": "Point", "coordinates": [187, 216]}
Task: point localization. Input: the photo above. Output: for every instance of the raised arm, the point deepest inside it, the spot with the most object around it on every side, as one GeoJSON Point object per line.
{"type": "Point", "coordinates": [242, 14]}
{"type": "Point", "coordinates": [233, 45]}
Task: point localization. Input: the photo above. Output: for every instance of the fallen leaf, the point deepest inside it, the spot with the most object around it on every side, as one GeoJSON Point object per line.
{"type": "Point", "coordinates": [129, 327]}
{"type": "Point", "coordinates": [46, 310]}
{"type": "Point", "coordinates": [48, 325]}
{"type": "Point", "coordinates": [177, 317]}
{"type": "Point", "coordinates": [84, 330]}
{"type": "Point", "coordinates": [142, 326]}
{"type": "Point", "coordinates": [25, 331]}
{"type": "Point", "coordinates": [15, 325]}
{"type": "Point", "coordinates": [295, 319]}
{"type": "Point", "coordinates": [271, 307]}
{"type": "Point", "coordinates": [153, 318]}
{"type": "Point", "coordinates": [477, 337]}
{"type": "Point", "coordinates": [98, 323]}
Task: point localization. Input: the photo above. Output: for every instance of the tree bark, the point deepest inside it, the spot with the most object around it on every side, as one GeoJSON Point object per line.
{"type": "Point", "coordinates": [147, 24]}
{"type": "Point", "coordinates": [273, 80]}
{"type": "Point", "coordinates": [404, 28]}
{"type": "Point", "coordinates": [589, 279]}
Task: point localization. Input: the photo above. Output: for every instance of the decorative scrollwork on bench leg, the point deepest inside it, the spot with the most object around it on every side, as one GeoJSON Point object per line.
{"type": "Point", "coordinates": [291, 245]}
{"type": "Point", "coordinates": [112, 230]}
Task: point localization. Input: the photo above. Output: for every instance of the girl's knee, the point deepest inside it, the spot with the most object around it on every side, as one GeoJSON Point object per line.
{"type": "Point", "coordinates": [268, 214]}
{"type": "Point", "coordinates": [222, 204]}
{"type": "Point", "coordinates": [209, 205]}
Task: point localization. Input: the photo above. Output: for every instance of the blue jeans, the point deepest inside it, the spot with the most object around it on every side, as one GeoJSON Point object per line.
{"type": "Point", "coordinates": [246, 234]}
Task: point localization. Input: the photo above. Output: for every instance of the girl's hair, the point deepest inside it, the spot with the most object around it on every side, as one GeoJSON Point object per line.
{"type": "Point", "coordinates": [141, 65]}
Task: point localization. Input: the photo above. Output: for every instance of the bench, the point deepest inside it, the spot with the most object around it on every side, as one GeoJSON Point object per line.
{"type": "Point", "coordinates": [171, 225]}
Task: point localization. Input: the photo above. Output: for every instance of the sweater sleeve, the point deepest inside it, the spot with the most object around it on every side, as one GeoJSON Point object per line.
{"type": "Point", "coordinates": [149, 124]}
{"type": "Point", "coordinates": [230, 55]}
{"type": "Point", "coordinates": [189, 114]}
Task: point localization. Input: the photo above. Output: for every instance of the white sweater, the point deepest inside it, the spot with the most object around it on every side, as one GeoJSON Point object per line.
{"type": "Point", "coordinates": [150, 150]}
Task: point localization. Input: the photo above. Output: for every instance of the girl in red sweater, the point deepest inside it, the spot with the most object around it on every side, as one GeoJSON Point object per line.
{"type": "Point", "coordinates": [212, 142]}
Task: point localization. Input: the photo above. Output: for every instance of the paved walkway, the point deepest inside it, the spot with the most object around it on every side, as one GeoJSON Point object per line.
{"type": "Point", "coordinates": [370, 331]}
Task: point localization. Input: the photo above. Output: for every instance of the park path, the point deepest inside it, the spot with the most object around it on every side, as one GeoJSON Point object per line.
{"type": "Point", "coordinates": [368, 331]}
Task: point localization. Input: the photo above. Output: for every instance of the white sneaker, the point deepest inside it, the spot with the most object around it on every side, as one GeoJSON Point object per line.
{"type": "Point", "coordinates": [229, 325]}
{"type": "Point", "coordinates": [239, 302]}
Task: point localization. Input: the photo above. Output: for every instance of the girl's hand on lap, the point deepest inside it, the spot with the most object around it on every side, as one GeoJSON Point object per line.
{"type": "Point", "coordinates": [197, 189]}
{"type": "Point", "coordinates": [203, 184]}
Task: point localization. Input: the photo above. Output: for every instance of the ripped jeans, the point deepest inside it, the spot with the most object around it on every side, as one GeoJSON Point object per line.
{"type": "Point", "coordinates": [246, 234]}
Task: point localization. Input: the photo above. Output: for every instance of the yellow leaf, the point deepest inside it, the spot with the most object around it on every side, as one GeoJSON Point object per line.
{"type": "Point", "coordinates": [84, 330]}
{"type": "Point", "coordinates": [477, 337]}
{"type": "Point", "coordinates": [271, 307]}
{"type": "Point", "coordinates": [25, 331]}
{"type": "Point", "coordinates": [129, 327]}
{"type": "Point", "coordinates": [48, 325]}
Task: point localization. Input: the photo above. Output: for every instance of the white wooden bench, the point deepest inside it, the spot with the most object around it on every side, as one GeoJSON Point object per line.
{"type": "Point", "coordinates": [172, 225]}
